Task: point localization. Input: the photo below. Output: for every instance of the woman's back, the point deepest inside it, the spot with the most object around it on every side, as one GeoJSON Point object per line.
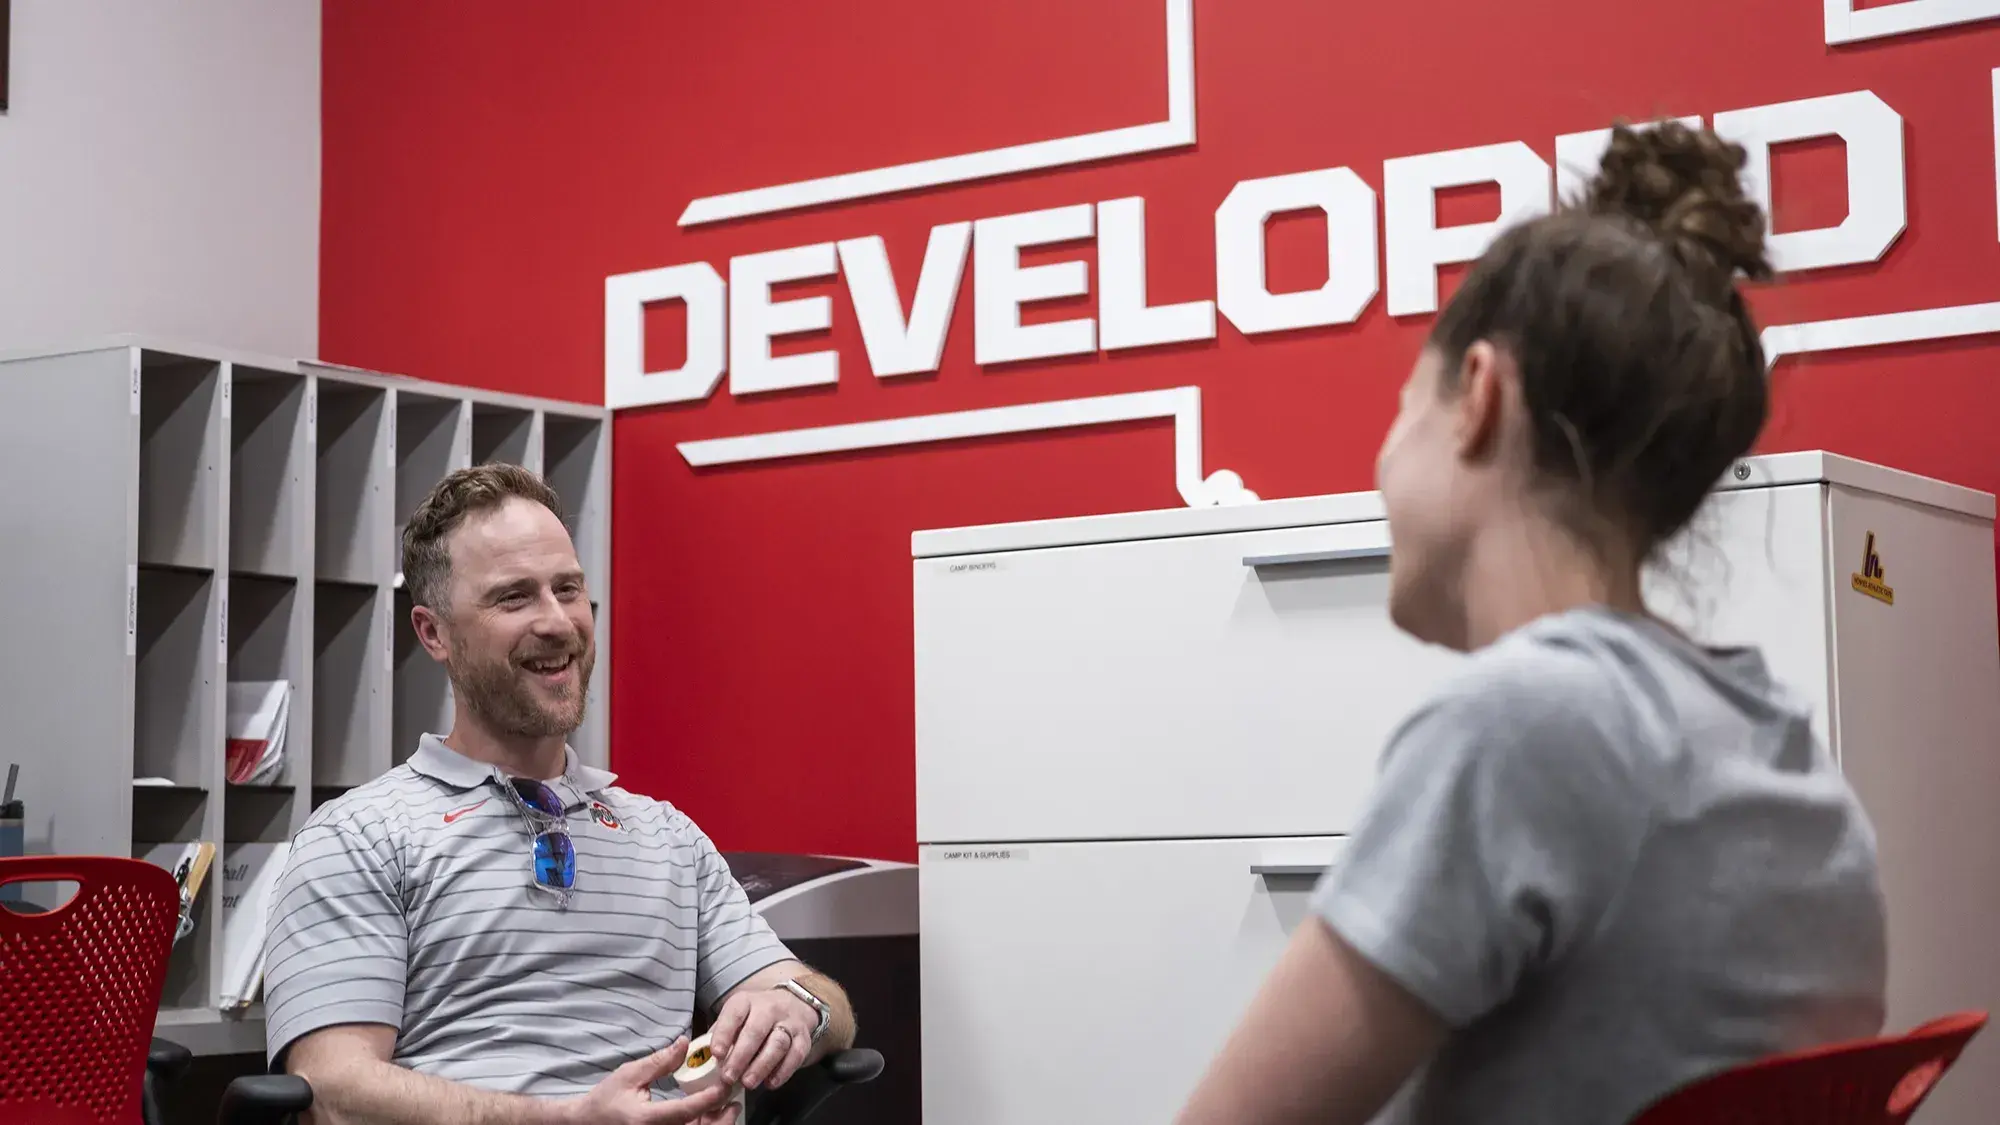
{"type": "Point", "coordinates": [1612, 861]}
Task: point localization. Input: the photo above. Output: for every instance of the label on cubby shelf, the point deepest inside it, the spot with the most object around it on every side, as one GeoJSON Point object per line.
{"type": "Point", "coordinates": [222, 628]}
{"type": "Point", "coordinates": [132, 609]}
{"type": "Point", "coordinates": [228, 377]}
{"type": "Point", "coordinates": [135, 381]}
{"type": "Point", "coordinates": [312, 411]}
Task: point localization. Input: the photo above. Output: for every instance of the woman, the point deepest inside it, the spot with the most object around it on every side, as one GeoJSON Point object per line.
{"type": "Point", "coordinates": [1604, 860]}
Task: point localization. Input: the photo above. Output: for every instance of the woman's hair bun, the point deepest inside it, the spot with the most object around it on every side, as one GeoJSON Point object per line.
{"type": "Point", "coordinates": [1685, 185]}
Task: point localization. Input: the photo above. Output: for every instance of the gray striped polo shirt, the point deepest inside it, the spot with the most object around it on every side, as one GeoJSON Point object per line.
{"type": "Point", "coordinates": [409, 901]}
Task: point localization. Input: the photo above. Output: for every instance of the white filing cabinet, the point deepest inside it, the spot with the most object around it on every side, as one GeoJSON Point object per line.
{"type": "Point", "coordinates": [1140, 737]}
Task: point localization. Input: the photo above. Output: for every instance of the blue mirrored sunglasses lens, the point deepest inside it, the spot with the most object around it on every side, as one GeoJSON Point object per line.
{"type": "Point", "coordinates": [555, 861]}
{"type": "Point", "coordinates": [540, 797]}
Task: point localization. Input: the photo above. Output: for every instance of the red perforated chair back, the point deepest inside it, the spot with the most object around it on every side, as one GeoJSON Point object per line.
{"type": "Point", "coordinates": [80, 989]}
{"type": "Point", "coordinates": [1869, 1082]}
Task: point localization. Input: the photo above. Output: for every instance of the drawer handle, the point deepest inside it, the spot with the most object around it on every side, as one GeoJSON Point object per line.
{"type": "Point", "coordinates": [1345, 554]}
{"type": "Point", "coordinates": [1288, 870]}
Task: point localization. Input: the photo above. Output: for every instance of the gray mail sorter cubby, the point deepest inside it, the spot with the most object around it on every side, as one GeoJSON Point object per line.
{"type": "Point", "coordinates": [183, 517]}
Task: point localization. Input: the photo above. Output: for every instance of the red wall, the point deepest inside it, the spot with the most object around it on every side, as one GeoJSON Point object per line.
{"type": "Point", "coordinates": [484, 174]}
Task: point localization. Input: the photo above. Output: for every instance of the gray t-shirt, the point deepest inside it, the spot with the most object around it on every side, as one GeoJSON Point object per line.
{"type": "Point", "coordinates": [1612, 861]}
{"type": "Point", "coordinates": [409, 902]}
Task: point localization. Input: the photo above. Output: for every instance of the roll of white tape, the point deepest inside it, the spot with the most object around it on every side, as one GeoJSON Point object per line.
{"type": "Point", "coordinates": [701, 1069]}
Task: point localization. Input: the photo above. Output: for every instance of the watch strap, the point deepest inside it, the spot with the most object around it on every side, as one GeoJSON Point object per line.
{"type": "Point", "coordinates": [818, 1005]}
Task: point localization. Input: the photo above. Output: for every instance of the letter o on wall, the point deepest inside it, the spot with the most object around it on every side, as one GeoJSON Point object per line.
{"type": "Point", "coordinates": [1242, 290]}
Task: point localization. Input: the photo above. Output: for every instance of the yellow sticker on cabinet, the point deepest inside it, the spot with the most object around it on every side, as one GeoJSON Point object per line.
{"type": "Point", "coordinates": [1871, 579]}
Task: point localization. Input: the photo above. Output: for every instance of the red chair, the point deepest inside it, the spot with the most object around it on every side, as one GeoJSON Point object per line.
{"type": "Point", "coordinates": [1869, 1082]}
{"type": "Point", "coordinates": [80, 989]}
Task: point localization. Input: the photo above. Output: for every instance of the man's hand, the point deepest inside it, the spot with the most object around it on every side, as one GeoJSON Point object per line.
{"type": "Point", "coordinates": [625, 1096]}
{"type": "Point", "coordinates": [762, 1036]}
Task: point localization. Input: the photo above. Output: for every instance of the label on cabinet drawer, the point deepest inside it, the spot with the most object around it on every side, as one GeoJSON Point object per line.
{"type": "Point", "coordinates": [988, 853]}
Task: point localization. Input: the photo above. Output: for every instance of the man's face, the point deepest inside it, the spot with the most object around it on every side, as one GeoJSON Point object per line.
{"type": "Point", "coordinates": [521, 636]}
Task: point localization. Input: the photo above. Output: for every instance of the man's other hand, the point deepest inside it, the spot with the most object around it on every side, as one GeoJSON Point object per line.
{"type": "Point", "coordinates": [625, 1096]}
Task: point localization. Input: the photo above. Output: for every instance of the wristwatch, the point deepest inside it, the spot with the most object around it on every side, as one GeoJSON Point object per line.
{"type": "Point", "coordinates": [818, 1005]}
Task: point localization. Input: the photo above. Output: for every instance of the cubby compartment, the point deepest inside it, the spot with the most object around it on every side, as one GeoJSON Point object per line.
{"type": "Point", "coordinates": [268, 467]}
{"type": "Point", "coordinates": [180, 449]}
{"type": "Point", "coordinates": [432, 438]}
{"type": "Point", "coordinates": [349, 652]}
{"type": "Point", "coordinates": [257, 814]}
{"type": "Point", "coordinates": [177, 735]}
{"type": "Point", "coordinates": [163, 814]}
{"type": "Point", "coordinates": [267, 644]}
{"type": "Point", "coordinates": [423, 699]}
{"type": "Point", "coordinates": [164, 823]}
{"type": "Point", "coordinates": [264, 626]}
{"type": "Point", "coordinates": [502, 433]}
{"type": "Point", "coordinates": [353, 474]}
{"type": "Point", "coordinates": [575, 465]}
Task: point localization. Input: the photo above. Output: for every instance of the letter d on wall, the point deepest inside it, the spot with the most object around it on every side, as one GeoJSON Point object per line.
{"type": "Point", "coordinates": [626, 295]}
{"type": "Point", "coordinates": [1876, 208]}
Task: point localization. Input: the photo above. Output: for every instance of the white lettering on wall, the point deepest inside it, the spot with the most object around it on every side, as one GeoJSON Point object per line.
{"type": "Point", "coordinates": [754, 319]}
{"type": "Point", "coordinates": [1000, 286]}
{"type": "Point", "coordinates": [1417, 246]}
{"type": "Point", "coordinates": [1242, 288]}
{"type": "Point", "coordinates": [897, 346]}
{"type": "Point", "coordinates": [1124, 320]}
{"type": "Point", "coordinates": [730, 327]}
{"type": "Point", "coordinates": [1846, 24]}
{"type": "Point", "coordinates": [1873, 133]}
{"type": "Point", "coordinates": [626, 295]}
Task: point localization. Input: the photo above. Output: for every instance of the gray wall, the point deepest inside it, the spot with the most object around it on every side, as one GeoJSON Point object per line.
{"type": "Point", "coordinates": [159, 173]}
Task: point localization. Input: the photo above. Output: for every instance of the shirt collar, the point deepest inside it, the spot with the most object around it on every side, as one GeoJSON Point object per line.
{"type": "Point", "coordinates": [435, 760]}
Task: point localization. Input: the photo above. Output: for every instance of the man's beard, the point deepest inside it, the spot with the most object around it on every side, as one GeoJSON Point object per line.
{"type": "Point", "coordinates": [494, 691]}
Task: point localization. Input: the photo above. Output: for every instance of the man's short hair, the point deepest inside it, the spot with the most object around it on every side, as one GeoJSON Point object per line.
{"type": "Point", "coordinates": [481, 488]}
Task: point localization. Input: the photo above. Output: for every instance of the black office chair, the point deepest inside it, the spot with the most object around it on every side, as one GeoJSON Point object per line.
{"type": "Point", "coordinates": [274, 1099]}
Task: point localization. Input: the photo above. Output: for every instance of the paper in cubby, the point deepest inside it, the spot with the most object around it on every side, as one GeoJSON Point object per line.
{"type": "Point", "coordinates": [259, 713]}
{"type": "Point", "coordinates": [250, 874]}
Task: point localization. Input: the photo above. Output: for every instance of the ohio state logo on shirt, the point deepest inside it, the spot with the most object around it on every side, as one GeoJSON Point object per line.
{"type": "Point", "coordinates": [602, 813]}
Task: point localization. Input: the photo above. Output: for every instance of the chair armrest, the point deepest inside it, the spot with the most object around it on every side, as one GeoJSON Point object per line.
{"type": "Point", "coordinates": [853, 1066]}
{"type": "Point", "coordinates": [166, 1060]}
{"type": "Point", "coordinates": [797, 1099]}
{"type": "Point", "coordinates": [264, 1099]}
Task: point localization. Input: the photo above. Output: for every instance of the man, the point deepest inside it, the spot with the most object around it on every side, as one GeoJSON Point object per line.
{"type": "Point", "coordinates": [493, 932]}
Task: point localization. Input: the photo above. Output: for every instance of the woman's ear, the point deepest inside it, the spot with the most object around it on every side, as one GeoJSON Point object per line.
{"type": "Point", "coordinates": [1484, 372]}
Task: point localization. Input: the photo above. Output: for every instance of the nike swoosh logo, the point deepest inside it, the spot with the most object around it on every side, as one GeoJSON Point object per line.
{"type": "Point", "coordinates": [456, 813]}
